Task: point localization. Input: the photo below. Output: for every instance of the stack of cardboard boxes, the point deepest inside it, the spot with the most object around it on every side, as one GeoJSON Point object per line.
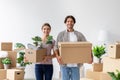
{"type": "Point", "coordinates": [111, 63]}
{"type": "Point", "coordinates": [13, 73]}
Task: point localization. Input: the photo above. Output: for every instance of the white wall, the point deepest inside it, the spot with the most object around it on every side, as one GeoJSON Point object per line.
{"type": "Point", "coordinates": [22, 19]}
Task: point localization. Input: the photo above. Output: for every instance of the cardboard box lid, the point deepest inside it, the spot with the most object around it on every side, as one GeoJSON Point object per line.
{"type": "Point", "coordinates": [74, 44]}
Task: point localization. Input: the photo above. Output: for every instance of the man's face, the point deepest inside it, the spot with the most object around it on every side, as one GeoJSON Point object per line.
{"type": "Point", "coordinates": [69, 23]}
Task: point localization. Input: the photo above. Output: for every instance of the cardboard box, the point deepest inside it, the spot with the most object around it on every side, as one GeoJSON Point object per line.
{"type": "Point", "coordinates": [13, 56]}
{"type": "Point", "coordinates": [97, 67]}
{"type": "Point", "coordinates": [35, 55]}
{"type": "Point", "coordinates": [92, 74]}
{"type": "Point", "coordinates": [15, 74]}
{"type": "Point", "coordinates": [114, 51]}
{"type": "Point", "coordinates": [2, 74]}
{"type": "Point", "coordinates": [6, 46]}
{"type": "Point", "coordinates": [1, 65]}
{"type": "Point", "coordinates": [75, 52]}
{"type": "Point", "coordinates": [85, 79]}
{"type": "Point", "coordinates": [19, 49]}
{"type": "Point", "coordinates": [105, 76]}
{"type": "Point", "coordinates": [110, 64]}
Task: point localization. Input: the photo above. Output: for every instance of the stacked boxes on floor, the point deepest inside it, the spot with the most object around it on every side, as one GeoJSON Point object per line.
{"type": "Point", "coordinates": [15, 74]}
{"type": "Point", "coordinates": [10, 74]}
{"type": "Point", "coordinates": [111, 63]}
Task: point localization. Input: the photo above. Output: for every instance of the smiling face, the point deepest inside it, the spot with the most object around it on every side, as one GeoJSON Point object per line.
{"type": "Point", "coordinates": [69, 23]}
{"type": "Point", "coordinates": [46, 29]}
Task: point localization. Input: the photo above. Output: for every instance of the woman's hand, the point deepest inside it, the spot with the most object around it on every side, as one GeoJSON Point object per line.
{"type": "Point", "coordinates": [46, 58]}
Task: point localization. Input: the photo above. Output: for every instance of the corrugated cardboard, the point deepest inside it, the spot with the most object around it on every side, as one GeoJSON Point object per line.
{"type": "Point", "coordinates": [86, 79]}
{"type": "Point", "coordinates": [35, 55]}
{"type": "Point", "coordinates": [92, 74]}
{"type": "Point", "coordinates": [6, 46]}
{"type": "Point", "coordinates": [105, 76]}
{"type": "Point", "coordinates": [75, 52]}
{"type": "Point", "coordinates": [114, 50]}
{"type": "Point", "coordinates": [1, 65]}
{"type": "Point", "coordinates": [13, 56]}
{"type": "Point", "coordinates": [97, 67]}
{"type": "Point", "coordinates": [110, 64]}
{"type": "Point", "coordinates": [15, 74]}
{"type": "Point", "coordinates": [2, 74]}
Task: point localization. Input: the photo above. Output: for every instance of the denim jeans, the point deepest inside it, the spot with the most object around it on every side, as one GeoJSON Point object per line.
{"type": "Point", "coordinates": [43, 72]}
{"type": "Point", "coordinates": [70, 73]}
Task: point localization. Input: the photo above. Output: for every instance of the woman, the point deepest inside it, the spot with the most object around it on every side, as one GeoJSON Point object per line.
{"type": "Point", "coordinates": [44, 69]}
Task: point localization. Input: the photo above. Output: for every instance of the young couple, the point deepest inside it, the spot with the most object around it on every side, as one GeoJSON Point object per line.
{"type": "Point", "coordinates": [44, 69]}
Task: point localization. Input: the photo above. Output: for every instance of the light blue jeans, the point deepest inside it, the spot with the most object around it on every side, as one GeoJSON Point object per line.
{"type": "Point", "coordinates": [70, 73]}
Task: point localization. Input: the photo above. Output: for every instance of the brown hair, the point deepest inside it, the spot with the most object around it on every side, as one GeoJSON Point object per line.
{"type": "Point", "coordinates": [69, 16]}
{"type": "Point", "coordinates": [46, 24]}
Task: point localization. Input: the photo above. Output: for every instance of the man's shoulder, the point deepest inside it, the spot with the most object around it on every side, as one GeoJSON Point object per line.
{"type": "Point", "coordinates": [62, 32]}
{"type": "Point", "coordinates": [77, 32]}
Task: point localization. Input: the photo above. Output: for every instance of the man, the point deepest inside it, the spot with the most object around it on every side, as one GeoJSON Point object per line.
{"type": "Point", "coordinates": [69, 71]}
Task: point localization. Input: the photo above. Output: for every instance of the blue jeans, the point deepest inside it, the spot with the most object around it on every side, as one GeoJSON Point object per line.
{"type": "Point", "coordinates": [70, 73]}
{"type": "Point", "coordinates": [43, 72]}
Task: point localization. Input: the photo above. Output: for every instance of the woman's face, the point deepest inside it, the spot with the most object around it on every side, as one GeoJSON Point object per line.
{"type": "Point", "coordinates": [46, 30]}
{"type": "Point", "coordinates": [69, 23]}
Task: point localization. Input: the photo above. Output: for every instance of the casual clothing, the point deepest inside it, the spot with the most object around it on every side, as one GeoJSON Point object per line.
{"type": "Point", "coordinates": [70, 71]}
{"type": "Point", "coordinates": [44, 70]}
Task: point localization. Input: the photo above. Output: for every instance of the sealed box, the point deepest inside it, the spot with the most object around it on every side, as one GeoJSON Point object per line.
{"type": "Point", "coordinates": [75, 52]}
{"type": "Point", "coordinates": [13, 56]}
{"type": "Point", "coordinates": [111, 64]}
{"type": "Point", "coordinates": [2, 74]}
{"type": "Point", "coordinates": [105, 76]}
{"type": "Point", "coordinates": [93, 74]}
{"type": "Point", "coordinates": [1, 65]}
{"type": "Point", "coordinates": [114, 51]}
{"type": "Point", "coordinates": [35, 55]}
{"type": "Point", "coordinates": [6, 46]}
{"type": "Point", "coordinates": [85, 79]}
{"type": "Point", "coordinates": [15, 74]}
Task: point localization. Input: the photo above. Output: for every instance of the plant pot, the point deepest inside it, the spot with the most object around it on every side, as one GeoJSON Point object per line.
{"type": "Point", "coordinates": [6, 66]}
{"type": "Point", "coordinates": [97, 67]}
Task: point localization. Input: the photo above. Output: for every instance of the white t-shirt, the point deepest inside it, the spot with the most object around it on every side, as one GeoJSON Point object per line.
{"type": "Point", "coordinates": [73, 38]}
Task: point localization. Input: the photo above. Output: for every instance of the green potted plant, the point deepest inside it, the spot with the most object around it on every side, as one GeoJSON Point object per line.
{"type": "Point", "coordinates": [98, 51]}
{"type": "Point", "coordinates": [115, 76]}
{"type": "Point", "coordinates": [20, 60]}
{"type": "Point", "coordinates": [19, 45]}
{"type": "Point", "coordinates": [36, 40]}
{"type": "Point", "coordinates": [6, 62]}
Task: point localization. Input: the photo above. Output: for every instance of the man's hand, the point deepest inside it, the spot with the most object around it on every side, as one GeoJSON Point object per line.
{"type": "Point", "coordinates": [59, 59]}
